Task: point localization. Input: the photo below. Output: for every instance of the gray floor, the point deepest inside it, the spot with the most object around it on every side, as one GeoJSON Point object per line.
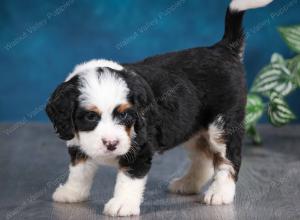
{"type": "Point", "coordinates": [33, 162]}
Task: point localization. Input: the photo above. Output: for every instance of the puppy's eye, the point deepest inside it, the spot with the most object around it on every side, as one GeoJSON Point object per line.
{"type": "Point", "coordinates": [123, 115]}
{"type": "Point", "coordinates": [91, 116]}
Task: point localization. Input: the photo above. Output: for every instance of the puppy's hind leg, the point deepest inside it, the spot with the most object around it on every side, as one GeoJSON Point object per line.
{"type": "Point", "coordinates": [226, 146]}
{"type": "Point", "coordinates": [200, 170]}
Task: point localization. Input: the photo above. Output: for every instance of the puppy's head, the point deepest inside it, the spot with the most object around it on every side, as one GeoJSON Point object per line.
{"type": "Point", "coordinates": [98, 108]}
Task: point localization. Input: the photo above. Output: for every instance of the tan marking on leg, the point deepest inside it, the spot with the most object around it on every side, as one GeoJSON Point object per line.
{"type": "Point", "coordinates": [222, 188]}
{"type": "Point", "coordinates": [202, 144]}
{"type": "Point", "coordinates": [200, 170]}
{"type": "Point", "coordinates": [81, 160]}
{"type": "Point", "coordinates": [77, 156]}
{"type": "Point", "coordinates": [216, 137]}
{"type": "Point", "coordinates": [205, 147]}
{"type": "Point", "coordinates": [219, 161]}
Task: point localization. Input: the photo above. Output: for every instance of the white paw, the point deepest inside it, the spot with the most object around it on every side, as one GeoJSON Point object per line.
{"type": "Point", "coordinates": [184, 186]}
{"type": "Point", "coordinates": [67, 194]}
{"type": "Point", "coordinates": [220, 192]}
{"type": "Point", "coordinates": [121, 207]}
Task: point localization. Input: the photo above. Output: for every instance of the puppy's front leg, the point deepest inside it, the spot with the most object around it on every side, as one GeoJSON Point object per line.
{"type": "Point", "coordinates": [128, 196]}
{"type": "Point", "coordinates": [78, 185]}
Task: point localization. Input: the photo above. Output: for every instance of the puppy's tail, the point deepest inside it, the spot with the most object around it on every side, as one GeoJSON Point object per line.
{"type": "Point", "coordinates": [234, 34]}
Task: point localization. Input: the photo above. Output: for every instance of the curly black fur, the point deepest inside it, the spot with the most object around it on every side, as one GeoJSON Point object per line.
{"type": "Point", "coordinates": [61, 108]}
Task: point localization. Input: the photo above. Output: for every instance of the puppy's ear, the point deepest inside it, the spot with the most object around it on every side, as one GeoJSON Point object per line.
{"type": "Point", "coordinates": [61, 107]}
{"type": "Point", "coordinates": [143, 100]}
{"type": "Point", "coordinates": [140, 128]}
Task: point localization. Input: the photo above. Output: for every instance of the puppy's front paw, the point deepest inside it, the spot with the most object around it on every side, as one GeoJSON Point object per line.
{"type": "Point", "coordinates": [184, 186]}
{"type": "Point", "coordinates": [67, 194]}
{"type": "Point", "coordinates": [220, 193]}
{"type": "Point", "coordinates": [121, 207]}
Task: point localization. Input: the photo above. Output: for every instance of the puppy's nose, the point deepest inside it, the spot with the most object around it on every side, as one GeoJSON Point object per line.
{"type": "Point", "coordinates": [110, 144]}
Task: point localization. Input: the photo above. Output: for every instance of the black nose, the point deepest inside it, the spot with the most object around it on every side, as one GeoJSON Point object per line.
{"type": "Point", "coordinates": [110, 144]}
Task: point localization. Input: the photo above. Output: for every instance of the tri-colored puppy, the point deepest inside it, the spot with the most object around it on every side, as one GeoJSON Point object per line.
{"type": "Point", "coordinates": [121, 115]}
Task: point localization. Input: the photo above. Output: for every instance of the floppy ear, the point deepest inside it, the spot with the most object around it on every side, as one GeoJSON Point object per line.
{"type": "Point", "coordinates": [61, 107]}
{"type": "Point", "coordinates": [143, 99]}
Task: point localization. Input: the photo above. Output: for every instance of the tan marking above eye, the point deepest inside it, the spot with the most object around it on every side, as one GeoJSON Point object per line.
{"type": "Point", "coordinates": [94, 109]}
{"type": "Point", "coordinates": [123, 107]}
{"type": "Point", "coordinates": [128, 131]}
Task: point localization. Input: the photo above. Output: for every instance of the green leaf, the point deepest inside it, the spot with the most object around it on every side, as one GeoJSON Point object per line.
{"type": "Point", "coordinates": [279, 112]}
{"type": "Point", "coordinates": [291, 35]}
{"type": "Point", "coordinates": [297, 77]}
{"type": "Point", "coordinates": [294, 66]}
{"type": "Point", "coordinates": [254, 109]}
{"type": "Point", "coordinates": [277, 58]}
{"type": "Point", "coordinates": [275, 76]}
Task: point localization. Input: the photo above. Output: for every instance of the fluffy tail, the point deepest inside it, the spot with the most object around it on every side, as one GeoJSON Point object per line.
{"type": "Point", "coordinates": [234, 35]}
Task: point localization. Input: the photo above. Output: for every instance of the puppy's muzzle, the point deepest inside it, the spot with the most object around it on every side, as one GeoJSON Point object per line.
{"type": "Point", "coordinates": [111, 145]}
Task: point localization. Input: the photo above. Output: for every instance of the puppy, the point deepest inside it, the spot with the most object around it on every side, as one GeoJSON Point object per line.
{"type": "Point", "coordinates": [121, 115]}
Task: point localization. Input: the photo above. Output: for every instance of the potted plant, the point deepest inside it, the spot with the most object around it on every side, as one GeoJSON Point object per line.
{"type": "Point", "coordinates": [273, 83]}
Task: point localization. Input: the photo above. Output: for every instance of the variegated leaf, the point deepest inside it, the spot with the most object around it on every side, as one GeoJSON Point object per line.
{"type": "Point", "coordinates": [294, 66]}
{"type": "Point", "coordinates": [297, 77]}
{"type": "Point", "coordinates": [275, 76]}
{"type": "Point", "coordinates": [291, 36]}
{"type": "Point", "coordinates": [278, 110]}
{"type": "Point", "coordinates": [277, 58]}
{"type": "Point", "coordinates": [254, 109]}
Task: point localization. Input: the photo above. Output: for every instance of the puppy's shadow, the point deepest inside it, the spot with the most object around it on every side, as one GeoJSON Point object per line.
{"type": "Point", "coordinates": [83, 211]}
{"type": "Point", "coordinates": [163, 204]}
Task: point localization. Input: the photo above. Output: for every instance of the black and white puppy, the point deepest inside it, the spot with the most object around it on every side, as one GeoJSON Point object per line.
{"type": "Point", "coordinates": [121, 115]}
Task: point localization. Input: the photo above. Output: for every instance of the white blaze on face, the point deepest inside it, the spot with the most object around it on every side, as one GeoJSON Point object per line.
{"type": "Point", "coordinates": [92, 64]}
{"type": "Point", "coordinates": [105, 91]}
